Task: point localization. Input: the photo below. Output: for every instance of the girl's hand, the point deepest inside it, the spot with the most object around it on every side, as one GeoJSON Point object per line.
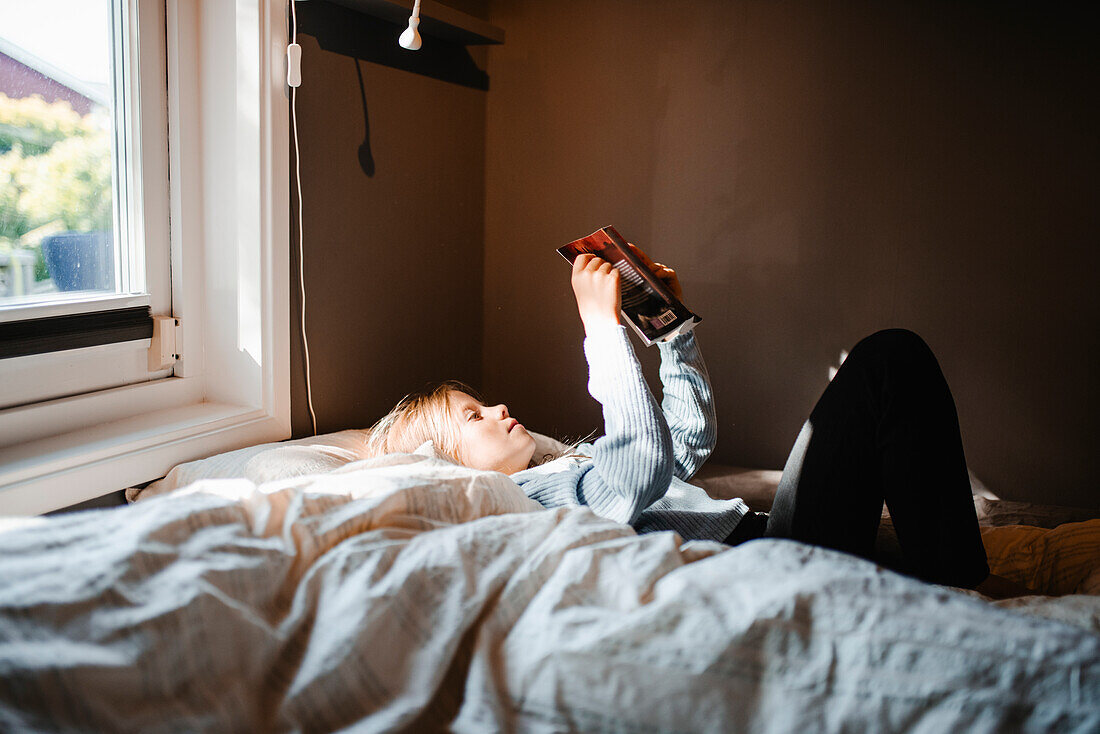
{"type": "Point", "coordinates": [666, 274]}
{"type": "Point", "coordinates": [596, 286]}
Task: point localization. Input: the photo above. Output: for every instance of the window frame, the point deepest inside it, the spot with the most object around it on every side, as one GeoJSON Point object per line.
{"type": "Point", "coordinates": [74, 331]}
{"type": "Point", "coordinates": [141, 233]}
{"type": "Point", "coordinates": [139, 170]}
{"type": "Point", "coordinates": [227, 137]}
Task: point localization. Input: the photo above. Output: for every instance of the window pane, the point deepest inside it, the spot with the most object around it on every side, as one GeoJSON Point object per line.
{"type": "Point", "coordinates": [57, 157]}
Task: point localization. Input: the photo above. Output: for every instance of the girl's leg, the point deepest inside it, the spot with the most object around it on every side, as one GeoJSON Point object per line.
{"type": "Point", "coordinates": [885, 429]}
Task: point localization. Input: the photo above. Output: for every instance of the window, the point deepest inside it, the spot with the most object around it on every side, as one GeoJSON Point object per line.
{"type": "Point", "coordinates": [58, 151]}
{"type": "Point", "coordinates": [204, 107]}
{"type": "Point", "coordinates": [82, 262]}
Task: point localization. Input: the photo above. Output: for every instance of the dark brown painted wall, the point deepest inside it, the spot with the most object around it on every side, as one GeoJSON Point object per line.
{"type": "Point", "coordinates": [815, 171]}
{"type": "Point", "coordinates": [393, 192]}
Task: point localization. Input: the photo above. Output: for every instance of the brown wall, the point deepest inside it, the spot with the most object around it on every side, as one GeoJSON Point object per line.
{"type": "Point", "coordinates": [814, 171]}
{"type": "Point", "coordinates": [393, 191]}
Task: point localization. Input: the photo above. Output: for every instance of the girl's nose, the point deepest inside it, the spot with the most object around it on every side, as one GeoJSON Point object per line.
{"type": "Point", "coordinates": [503, 410]}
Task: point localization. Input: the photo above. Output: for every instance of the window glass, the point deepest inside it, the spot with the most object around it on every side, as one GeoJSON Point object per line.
{"type": "Point", "coordinates": [58, 157]}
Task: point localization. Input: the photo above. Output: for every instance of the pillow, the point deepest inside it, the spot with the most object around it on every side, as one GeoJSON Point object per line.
{"type": "Point", "coordinates": [267, 461]}
{"type": "Point", "coordinates": [545, 445]}
{"type": "Point", "coordinates": [285, 459]}
{"type": "Point", "coordinates": [1062, 560]}
{"type": "Point", "coordinates": [1007, 512]}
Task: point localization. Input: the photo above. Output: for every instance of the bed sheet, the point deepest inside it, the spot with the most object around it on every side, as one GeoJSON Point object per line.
{"type": "Point", "coordinates": [408, 594]}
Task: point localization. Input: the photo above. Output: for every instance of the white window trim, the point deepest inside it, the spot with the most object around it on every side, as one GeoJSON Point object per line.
{"type": "Point", "coordinates": [230, 231]}
{"type": "Point", "coordinates": [73, 304]}
{"type": "Point", "coordinates": [140, 224]}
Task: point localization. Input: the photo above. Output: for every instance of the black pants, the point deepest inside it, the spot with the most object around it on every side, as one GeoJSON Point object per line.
{"type": "Point", "coordinates": [885, 429]}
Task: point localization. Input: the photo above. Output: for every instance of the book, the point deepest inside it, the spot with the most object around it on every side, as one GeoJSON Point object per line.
{"type": "Point", "coordinates": [647, 303]}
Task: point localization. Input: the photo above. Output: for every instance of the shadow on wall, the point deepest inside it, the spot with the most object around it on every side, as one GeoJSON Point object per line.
{"type": "Point", "coordinates": [372, 161]}
{"type": "Point", "coordinates": [346, 32]}
{"type": "Point", "coordinates": [366, 157]}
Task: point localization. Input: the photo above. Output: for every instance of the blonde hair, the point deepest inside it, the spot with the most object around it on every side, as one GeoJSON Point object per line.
{"type": "Point", "coordinates": [425, 415]}
{"type": "Point", "coordinates": [421, 416]}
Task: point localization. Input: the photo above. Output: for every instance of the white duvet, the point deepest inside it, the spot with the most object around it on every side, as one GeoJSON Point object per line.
{"type": "Point", "coordinates": [406, 593]}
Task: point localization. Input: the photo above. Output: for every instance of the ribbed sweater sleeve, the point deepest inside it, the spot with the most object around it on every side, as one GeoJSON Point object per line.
{"type": "Point", "coordinates": [688, 404]}
{"type": "Point", "coordinates": [632, 462]}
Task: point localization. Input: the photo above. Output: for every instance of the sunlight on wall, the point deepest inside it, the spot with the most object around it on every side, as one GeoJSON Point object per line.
{"type": "Point", "coordinates": [833, 370]}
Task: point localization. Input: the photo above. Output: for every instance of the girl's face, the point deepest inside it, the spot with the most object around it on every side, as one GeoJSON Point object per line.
{"type": "Point", "coordinates": [488, 438]}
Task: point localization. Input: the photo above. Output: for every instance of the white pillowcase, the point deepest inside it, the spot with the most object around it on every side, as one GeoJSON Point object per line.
{"type": "Point", "coordinates": [267, 461]}
{"type": "Point", "coordinates": [284, 459]}
{"type": "Point", "coordinates": [545, 445]}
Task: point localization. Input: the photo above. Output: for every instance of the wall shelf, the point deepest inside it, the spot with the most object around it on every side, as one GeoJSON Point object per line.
{"type": "Point", "coordinates": [436, 20]}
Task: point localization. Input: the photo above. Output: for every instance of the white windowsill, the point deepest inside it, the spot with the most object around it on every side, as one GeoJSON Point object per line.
{"type": "Point", "coordinates": [54, 472]}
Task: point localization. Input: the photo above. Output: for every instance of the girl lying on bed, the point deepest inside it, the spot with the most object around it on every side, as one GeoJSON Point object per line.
{"type": "Point", "coordinates": [885, 429]}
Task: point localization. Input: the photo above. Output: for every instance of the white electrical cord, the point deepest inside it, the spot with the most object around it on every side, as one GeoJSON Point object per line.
{"type": "Point", "coordinates": [294, 78]}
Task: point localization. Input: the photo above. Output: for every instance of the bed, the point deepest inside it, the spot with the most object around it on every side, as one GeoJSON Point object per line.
{"type": "Point", "coordinates": [299, 587]}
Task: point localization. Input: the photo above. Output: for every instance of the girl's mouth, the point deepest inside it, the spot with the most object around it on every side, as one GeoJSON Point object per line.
{"type": "Point", "coordinates": [513, 425]}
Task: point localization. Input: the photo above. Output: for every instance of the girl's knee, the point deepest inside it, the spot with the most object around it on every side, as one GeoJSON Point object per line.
{"type": "Point", "coordinates": [900, 344]}
{"type": "Point", "coordinates": [899, 360]}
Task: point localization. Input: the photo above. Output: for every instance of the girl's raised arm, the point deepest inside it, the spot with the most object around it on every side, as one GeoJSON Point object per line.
{"type": "Point", "coordinates": [688, 402]}
{"type": "Point", "coordinates": [632, 461]}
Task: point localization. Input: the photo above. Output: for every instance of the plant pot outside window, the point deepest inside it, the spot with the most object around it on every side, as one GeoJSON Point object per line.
{"type": "Point", "coordinates": [80, 261]}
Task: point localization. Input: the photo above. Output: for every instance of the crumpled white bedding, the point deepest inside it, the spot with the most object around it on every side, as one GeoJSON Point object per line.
{"type": "Point", "coordinates": [407, 593]}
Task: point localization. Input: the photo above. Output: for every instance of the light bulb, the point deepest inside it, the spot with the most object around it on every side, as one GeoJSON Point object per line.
{"type": "Point", "coordinates": [410, 39]}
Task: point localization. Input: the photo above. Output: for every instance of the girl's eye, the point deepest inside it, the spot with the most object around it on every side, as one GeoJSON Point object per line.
{"type": "Point", "coordinates": [473, 415]}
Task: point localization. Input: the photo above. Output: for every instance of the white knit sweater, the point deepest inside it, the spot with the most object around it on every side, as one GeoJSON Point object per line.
{"type": "Point", "coordinates": [639, 470]}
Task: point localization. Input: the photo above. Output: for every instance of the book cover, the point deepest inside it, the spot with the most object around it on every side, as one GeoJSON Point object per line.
{"type": "Point", "coordinates": [647, 303]}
